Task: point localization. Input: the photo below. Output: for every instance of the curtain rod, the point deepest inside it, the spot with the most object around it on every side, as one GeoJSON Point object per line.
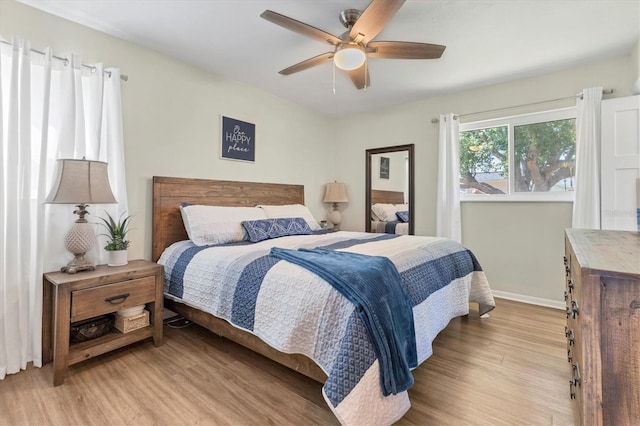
{"type": "Point", "coordinates": [579, 95]}
{"type": "Point", "coordinates": [123, 77]}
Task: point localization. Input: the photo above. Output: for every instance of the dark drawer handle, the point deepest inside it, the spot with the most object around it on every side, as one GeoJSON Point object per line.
{"type": "Point", "coordinates": [570, 336]}
{"type": "Point", "coordinates": [575, 381]}
{"type": "Point", "coordinates": [115, 300]}
{"type": "Point", "coordinates": [575, 309]}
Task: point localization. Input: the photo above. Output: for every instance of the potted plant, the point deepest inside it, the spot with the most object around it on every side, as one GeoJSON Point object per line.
{"type": "Point", "coordinates": [117, 244]}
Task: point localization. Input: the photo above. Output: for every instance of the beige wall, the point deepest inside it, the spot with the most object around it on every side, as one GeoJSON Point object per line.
{"type": "Point", "coordinates": [171, 114]}
{"type": "Point", "coordinates": [635, 64]}
{"type": "Point", "coordinates": [397, 180]}
{"type": "Point", "coordinates": [519, 244]}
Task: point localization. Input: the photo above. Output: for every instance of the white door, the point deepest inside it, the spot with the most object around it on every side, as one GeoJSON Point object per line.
{"type": "Point", "coordinates": [620, 163]}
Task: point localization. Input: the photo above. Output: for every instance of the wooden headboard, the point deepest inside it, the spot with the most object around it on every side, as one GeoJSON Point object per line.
{"type": "Point", "coordinates": [387, 197]}
{"type": "Point", "coordinates": [169, 192]}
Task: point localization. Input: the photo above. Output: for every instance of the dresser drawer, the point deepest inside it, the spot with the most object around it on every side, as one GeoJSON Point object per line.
{"type": "Point", "coordinates": [92, 302]}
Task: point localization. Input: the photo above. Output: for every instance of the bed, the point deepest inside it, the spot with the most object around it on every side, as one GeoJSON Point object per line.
{"type": "Point", "coordinates": [384, 205]}
{"type": "Point", "coordinates": [296, 318]}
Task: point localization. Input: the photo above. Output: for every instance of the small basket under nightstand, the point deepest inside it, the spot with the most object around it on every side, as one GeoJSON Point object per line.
{"type": "Point", "coordinates": [127, 324]}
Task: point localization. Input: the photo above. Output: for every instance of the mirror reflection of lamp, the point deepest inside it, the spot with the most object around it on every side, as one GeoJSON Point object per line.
{"type": "Point", "coordinates": [81, 182]}
{"type": "Point", "coordinates": [335, 193]}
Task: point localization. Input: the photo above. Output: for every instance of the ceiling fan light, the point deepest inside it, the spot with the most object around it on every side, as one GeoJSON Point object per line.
{"type": "Point", "coordinates": [349, 57]}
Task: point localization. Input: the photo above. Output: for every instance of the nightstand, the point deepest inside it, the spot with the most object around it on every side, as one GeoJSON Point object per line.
{"type": "Point", "coordinates": [69, 298]}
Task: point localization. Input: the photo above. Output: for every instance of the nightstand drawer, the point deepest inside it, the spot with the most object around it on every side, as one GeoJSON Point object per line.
{"type": "Point", "coordinates": [92, 302]}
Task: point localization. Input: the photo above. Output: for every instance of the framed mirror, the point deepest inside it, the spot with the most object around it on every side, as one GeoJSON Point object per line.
{"type": "Point", "coordinates": [389, 175]}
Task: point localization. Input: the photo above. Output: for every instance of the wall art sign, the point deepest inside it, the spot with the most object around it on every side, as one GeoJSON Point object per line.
{"type": "Point", "coordinates": [384, 167]}
{"type": "Point", "coordinates": [238, 140]}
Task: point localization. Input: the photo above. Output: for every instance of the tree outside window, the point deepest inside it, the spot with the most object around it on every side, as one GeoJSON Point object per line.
{"type": "Point", "coordinates": [518, 155]}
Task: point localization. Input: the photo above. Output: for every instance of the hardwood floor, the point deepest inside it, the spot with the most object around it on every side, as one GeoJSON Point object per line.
{"type": "Point", "coordinates": [509, 369]}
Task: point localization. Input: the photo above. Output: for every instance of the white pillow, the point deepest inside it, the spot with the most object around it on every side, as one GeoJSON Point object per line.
{"type": "Point", "coordinates": [402, 207]}
{"type": "Point", "coordinates": [208, 225]}
{"type": "Point", "coordinates": [291, 210]}
{"type": "Point", "coordinates": [386, 212]}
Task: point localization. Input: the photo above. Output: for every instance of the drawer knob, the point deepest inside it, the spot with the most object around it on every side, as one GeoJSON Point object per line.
{"type": "Point", "coordinates": [567, 270]}
{"type": "Point", "coordinates": [570, 285]}
{"type": "Point", "coordinates": [115, 300]}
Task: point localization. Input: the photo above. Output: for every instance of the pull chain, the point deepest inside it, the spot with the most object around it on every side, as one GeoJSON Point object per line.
{"type": "Point", "coordinates": [334, 77]}
{"type": "Point", "coordinates": [366, 72]}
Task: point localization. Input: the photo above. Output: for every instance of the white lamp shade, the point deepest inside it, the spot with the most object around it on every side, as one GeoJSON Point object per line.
{"type": "Point", "coordinates": [335, 193]}
{"type": "Point", "coordinates": [81, 182]}
{"type": "Point", "coordinates": [349, 57]}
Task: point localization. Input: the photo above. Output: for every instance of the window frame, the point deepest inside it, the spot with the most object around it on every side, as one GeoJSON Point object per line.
{"type": "Point", "coordinates": [511, 122]}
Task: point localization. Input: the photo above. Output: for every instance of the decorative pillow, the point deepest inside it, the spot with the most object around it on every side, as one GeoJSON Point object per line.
{"type": "Point", "coordinates": [207, 225]}
{"type": "Point", "coordinates": [264, 229]}
{"type": "Point", "coordinates": [403, 216]}
{"type": "Point", "coordinates": [386, 212]}
{"type": "Point", "coordinates": [289, 211]}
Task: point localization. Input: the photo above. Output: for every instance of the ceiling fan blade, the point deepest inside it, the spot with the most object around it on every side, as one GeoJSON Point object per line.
{"type": "Point", "coordinates": [373, 19]}
{"type": "Point", "coordinates": [299, 27]}
{"type": "Point", "coordinates": [360, 77]}
{"type": "Point", "coordinates": [312, 62]}
{"type": "Point", "coordinates": [404, 50]}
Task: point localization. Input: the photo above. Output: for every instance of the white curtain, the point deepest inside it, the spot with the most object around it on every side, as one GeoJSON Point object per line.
{"type": "Point", "coordinates": [48, 110]}
{"type": "Point", "coordinates": [448, 222]}
{"type": "Point", "coordinates": [586, 206]}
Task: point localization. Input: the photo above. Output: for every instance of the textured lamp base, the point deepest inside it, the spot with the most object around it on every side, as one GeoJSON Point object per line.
{"type": "Point", "coordinates": [79, 263]}
{"type": "Point", "coordinates": [79, 240]}
{"type": "Point", "coordinates": [335, 218]}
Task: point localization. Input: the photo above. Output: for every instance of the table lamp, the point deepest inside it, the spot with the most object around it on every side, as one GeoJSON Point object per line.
{"type": "Point", "coordinates": [335, 193]}
{"type": "Point", "coordinates": [81, 182]}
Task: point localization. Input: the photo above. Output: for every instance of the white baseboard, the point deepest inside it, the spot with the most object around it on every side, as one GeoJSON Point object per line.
{"type": "Point", "coordinates": [556, 304]}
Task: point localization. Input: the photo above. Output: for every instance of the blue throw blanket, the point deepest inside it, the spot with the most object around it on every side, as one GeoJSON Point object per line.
{"type": "Point", "coordinates": [374, 286]}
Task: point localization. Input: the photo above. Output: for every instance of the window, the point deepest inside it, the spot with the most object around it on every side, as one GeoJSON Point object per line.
{"type": "Point", "coordinates": [523, 158]}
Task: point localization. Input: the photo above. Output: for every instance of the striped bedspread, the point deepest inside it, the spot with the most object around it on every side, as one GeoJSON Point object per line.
{"type": "Point", "coordinates": [295, 311]}
{"type": "Point", "coordinates": [395, 227]}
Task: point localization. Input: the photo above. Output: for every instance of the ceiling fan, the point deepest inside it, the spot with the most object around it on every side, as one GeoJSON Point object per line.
{"type": "Point", "coordinates": [354, 46]}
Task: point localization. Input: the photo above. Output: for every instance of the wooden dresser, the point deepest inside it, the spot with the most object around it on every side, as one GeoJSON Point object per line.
{"type": "Point", "coordinates": [603, 325]}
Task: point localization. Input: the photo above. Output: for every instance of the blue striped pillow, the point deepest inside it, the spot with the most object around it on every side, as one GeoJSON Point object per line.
{"type": "Point", "coordinates": [403, 216]}
{"type": "Point", "coordinates": [265, 229]}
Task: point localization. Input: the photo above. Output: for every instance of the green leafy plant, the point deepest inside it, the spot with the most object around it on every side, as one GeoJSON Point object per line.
{"type": "Point", "coordinates": [117, 232]}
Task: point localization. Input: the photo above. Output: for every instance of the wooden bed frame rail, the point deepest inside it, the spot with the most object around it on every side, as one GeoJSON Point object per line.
{"type": "Point", "coordinates": [168, 228]}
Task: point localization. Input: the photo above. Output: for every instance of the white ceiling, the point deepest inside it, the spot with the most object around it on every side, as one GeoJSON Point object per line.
{"type": "Point", "coordinates": [488, 41]}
